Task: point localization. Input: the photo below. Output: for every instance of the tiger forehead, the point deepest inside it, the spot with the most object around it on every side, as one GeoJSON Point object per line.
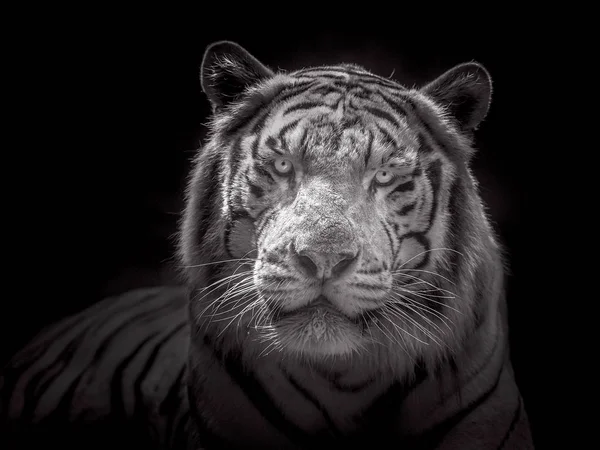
{"type": "Point", "coordinates": [327, 139]}
{"type": "Point", "coordinates": [341, 138]}
{"type": "Point", "coordinates": [341, 116]}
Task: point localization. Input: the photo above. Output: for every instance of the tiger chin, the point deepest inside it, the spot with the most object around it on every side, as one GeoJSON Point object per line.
{"type": "Point", "coordinates": [345, 284]}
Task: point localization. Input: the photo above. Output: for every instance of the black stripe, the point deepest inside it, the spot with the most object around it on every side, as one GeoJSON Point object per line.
{"type": "Point", "coordinates": [455, 374]}
{"type": "Point", "coordinates": [303, 106]}
{"type": "Point", "coordinates": [343, 86]}
{"type": "Point", "coordinates": [513, 424]}
{"type": "Point", "coordinates": [303, 140]}
{"type": "Point", "coordinates": [382, 83]}
{"type": "Point", "coordinates": [172, 402]}
{"type": "Point", "coordinates": [389, 235]}
{"type": "Point", "coordinates": [433, 437]}
{"type": "Point", "coordinates": [326, 90]}
{"type": "Point", "coordinates": [479, 301]}
{"type": "Point", "coordinates": [270, 142]}
{"type": "Point", "coordinates": [394, 104]}
{"type": "Point", "coordinates": [60, 413]}
{"type": "Point", "coordinates": [380, 414]}
{"type": "Point", "coordinates": [351, 388]}
{"type": "Point", "coordinates": [255, 189]}
{"type": "Point", "coordinates": [369, 148]}
{"type": "Point", "coordinates": [315, 402]}
{"type": "Point", "coordinates": [424, 242]}
{"type": "Point", "coordinates": [117, 405]}
{"type": "Point", "coordinates": [248, 108]}
{"type": "Point", "coordinates": [362, 93]}
{"type": "Point", "coordinates": [406, 209]}
{"type": "Point", "coordinates": [381, 114]}
{"type": "Point", "coordinates": [403, 187]}
{"type": "Point", "coordinates": [363, 76]}
{"type": "Point", "coordinates": [283, 132]}
{"type": "Point", "coordinates": [484, 364]}
{"type": "Point", "coordinates": [50, 333]}
{"type": "Point", "coordinates": [360, 76]}
{"type": "Point", "coordinates": [284, 95]}
{"type": "Point", "coordinates": [258, 105]}
{"type": "Point", "coordinates": [180, 437]}
{"type": "Point", "coordinates": [12, 372]}
{"type": "Point", "coordinates": [253, 150]}
{"type": "Point", "coordinates": [434, 173]}
{"type": "Point", "coordinates": [63, 360]}
{"type": "Point", "coordinates": [388, 137]}
{"type": "Point", "coordinates": [370, 272]}
{"type": "Point", "coordinates": [424, 147]}
{"type": "Point", "coordinates": [212, 273]}
{"type": "Point", "coordinates": [333, 378]}
{"type": "Point", "coordinates": [259, 169]}
{"type": "Point", "coordinates": [261, 215]}
{"type": "Point", "coordinates": [137, 385]}
{"type": "Point", "coordinates": [422, 121]}
{"type": "Point", "coordinates": [262, 401]}
{"type": "Point", "coordinates": [267, 219]}
{"type": "Point", "coordinates": [199, 432]}
{"type": "Point", "coordinates": [63, 408]}
{"type": "Point", "coordinates": [456, 231]}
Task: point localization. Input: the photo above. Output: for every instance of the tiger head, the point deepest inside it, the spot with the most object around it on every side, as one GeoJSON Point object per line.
{"type": "Point", "coordinates": [333, 212]}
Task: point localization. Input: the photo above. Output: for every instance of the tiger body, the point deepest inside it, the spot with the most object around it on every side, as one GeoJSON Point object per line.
{"type": "Point", "coordinates": [117, 368]}
{"type": "Point", "coordinates": [345, 286]}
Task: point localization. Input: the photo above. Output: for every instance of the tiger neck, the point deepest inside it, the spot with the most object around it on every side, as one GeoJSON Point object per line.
{"type": "Point", "coordinates": [327, 394]}
{"type": "Point", "coordinates": [275, 399]}
{"type": "Point", "coordinates": [318, 396]}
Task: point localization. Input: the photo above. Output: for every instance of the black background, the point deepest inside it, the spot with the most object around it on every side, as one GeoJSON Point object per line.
{"type": "Point", "coordinates": [114, 113]}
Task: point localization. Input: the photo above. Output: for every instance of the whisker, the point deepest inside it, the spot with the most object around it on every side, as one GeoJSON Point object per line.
{"type": "Point", "coordinates": [420, 280]}
{"type": "Point", "coordinates": [431, 250]}
{"type": "Point", "coordinates": [387, 310]}
{"type": "Point", "coordinates": [248, 280]}
{"type": "Point", "coordinates": [445, 319]}
{"type": "Point", "coordinates": [243, 292]}
{"type": "Point", "coordinates": [410, 306]}
{"type": "Point", "coordinates": [427, 297]}
{"type": "Point", "coordinates": [224, 280]}
{"type": "Point", "coordinates": [403, 272]}
{"type": "Point", "coordinates": [250, 306]}
{"type": "Point", "coordinates": [402, 315]}
{"type": "Point", "coordinates": [245, 261]}
{"type": "Point", "coordinates": [437, 302]}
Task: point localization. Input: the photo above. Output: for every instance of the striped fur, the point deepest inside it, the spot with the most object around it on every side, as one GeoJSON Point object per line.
{"type": "Point", "coordinates": [115, 369]}
{"type": "Point", "coordinates": [345, 286]}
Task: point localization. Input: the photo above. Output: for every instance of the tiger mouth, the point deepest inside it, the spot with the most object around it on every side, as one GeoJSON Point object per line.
{"type": "Point", "coordinates": [320, 307]}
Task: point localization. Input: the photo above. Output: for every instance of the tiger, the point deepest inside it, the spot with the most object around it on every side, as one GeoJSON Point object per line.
{"type": "Point", "coordinates": [342, 284]}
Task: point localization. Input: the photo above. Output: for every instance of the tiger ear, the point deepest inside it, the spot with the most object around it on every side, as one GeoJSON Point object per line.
{"type": "Point", "coordinates": [466, 91]}
{"type": "Point", "coordinates": [227, 70]}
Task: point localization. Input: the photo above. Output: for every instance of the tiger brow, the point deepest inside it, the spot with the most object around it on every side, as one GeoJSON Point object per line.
{"type": "Point", "coordinates": [273, 145]}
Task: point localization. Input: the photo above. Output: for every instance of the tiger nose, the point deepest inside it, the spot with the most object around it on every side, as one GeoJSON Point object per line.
{"type": "Point", "coordinates": [324, 265]}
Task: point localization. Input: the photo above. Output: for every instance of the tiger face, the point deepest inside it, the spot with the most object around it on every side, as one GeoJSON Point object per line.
{"type": "Point", "coordinates": [344, 212]}
{"type": "Point", "coordinates": [337, 198]}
